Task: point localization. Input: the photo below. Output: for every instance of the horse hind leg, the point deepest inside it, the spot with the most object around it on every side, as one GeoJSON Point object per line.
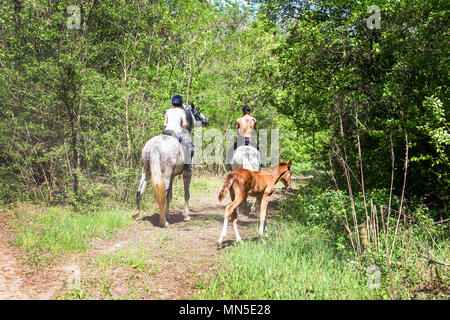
{"type": "Point", "coordinates": [253, 207]}
{"type": "Point", "coordinates": [187, 174]}
{"type": "Point", "coordinates": [234, 220]}
{"type": "Point", "coordinates": [169, 192]}
{"type": "Point", "coordinates": [262, 215]}
{"type": "Point", "coordinates": [139, 194]}
{"type": "Point", "coordinates": [240, 196]}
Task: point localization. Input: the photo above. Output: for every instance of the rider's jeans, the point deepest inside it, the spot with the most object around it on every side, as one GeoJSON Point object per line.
{"type": "Point", "coordinates": [188, 146]}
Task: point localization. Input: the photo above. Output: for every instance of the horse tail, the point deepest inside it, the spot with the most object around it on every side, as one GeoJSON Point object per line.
{"type": "Point", "coordinates": [158, 184]}
{"type": "Point", "coordinates": [246, 162]}
{"type": "Point", "coordinates": [250, 161]}
{"type": "Point", "coordinates": [226, 186]}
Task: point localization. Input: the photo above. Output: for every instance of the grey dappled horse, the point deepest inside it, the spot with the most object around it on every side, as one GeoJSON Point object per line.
{"type": "Point", "coordinates": [162, 161]}
{"type": "Point", "coordinates": [246, 157]}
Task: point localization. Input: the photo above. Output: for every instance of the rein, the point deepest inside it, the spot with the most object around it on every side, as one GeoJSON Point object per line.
{"type": "Point", "coordinates": [279, 177]}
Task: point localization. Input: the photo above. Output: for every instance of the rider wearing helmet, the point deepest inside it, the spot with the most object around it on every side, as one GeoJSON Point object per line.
{"type": "Point", "coordinates": [245, 129]}
{"type": "Point", "coordinates": [174, 123]}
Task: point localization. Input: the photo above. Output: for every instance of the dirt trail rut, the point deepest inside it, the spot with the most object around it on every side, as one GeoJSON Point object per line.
{"type": "Point", "coordinates": [15, 283]}
{"type": "Point", "coordinates": [178, 257]}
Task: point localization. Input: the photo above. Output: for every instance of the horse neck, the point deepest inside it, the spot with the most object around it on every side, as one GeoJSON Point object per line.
{"type": "Point", "coordinates": [273, 170]}
{"type": "Point", "coordinates": [277, 173]}
{"type": "Point", "coordinates": [190, 120]}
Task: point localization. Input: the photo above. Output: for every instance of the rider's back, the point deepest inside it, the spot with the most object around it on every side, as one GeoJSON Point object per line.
{"type": "Point", "coordinates": [246, 126]}
{"type": "Point", "coordinates": [174, 117]}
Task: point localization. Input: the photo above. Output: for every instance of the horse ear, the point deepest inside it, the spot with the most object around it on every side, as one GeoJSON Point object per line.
{"type": "Point", "coordinates": [289, 163]}
{"type": "Point", "coordinates": [280, 161]}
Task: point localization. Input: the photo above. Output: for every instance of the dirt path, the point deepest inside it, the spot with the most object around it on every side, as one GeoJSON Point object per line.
{"type": "Point", "coordinates": [143, 261]}
{"type": "Point", "coordinates": [15, 282]}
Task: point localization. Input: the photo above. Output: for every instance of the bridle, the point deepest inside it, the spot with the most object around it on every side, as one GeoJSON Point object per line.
{"type": "Point", "coordinates": [197, 115]}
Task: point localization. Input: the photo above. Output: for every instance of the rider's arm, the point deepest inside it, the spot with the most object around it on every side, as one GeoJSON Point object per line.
{"type": "Point", "coordinates": [165, 121]}
{"type": "Point", "coordinates": [185, 123]}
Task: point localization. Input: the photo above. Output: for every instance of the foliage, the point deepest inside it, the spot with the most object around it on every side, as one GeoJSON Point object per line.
{"type": "Point", "coordinates": [80, 103]}
{"type": "Point", "coordinates": [402, 274]}
{"type": "Point", "coordinates": [367, 87]}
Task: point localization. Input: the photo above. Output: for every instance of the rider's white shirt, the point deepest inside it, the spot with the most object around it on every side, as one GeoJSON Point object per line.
{"type": "Point", "coordinates": [174, 122]}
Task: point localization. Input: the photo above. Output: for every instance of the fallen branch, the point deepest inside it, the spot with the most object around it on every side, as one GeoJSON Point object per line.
{"type": "Point", "coordinates": [435, 261]}
{"type": "Point", "coordinates": [421, 249]}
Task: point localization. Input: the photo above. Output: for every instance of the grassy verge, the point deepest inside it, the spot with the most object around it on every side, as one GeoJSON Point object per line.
{"type": "Point", "coordinates": [50, 231]}
{"type": "Point", "coordinates": [296, 262]}
{"type": "Point", "coordinates": [310, 255]}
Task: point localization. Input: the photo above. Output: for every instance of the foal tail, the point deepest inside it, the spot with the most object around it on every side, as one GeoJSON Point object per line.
{"type": "Point", "coordinates": [226, 186]}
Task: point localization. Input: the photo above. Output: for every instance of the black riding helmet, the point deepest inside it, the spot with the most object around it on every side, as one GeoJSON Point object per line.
{"type": "Point", "coordinates": [177, 100]}
{"type": "Point", "coordinates": [246, 108]}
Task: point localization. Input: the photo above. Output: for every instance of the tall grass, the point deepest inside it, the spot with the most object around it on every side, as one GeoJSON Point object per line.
{"type": "Point", "coordinates": [296, 262]}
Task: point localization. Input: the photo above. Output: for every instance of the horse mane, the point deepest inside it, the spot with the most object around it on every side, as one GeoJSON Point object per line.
{"type": "Point", "coordinates": [189, 117]}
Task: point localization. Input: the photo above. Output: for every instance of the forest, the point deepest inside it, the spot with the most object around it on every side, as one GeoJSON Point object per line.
{"type": "Point", "coordinates": [358, 91]}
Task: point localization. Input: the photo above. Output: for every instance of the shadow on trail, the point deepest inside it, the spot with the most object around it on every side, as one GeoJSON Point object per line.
{"type": "Point", "coordinates": [229, 243]}
{"type": "Point", "coordinates": [213, 212]}
{"type": "Point", "coordinates": [171, 218]}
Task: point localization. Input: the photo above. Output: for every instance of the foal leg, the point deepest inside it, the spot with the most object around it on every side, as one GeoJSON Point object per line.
{"type": "Point", "coordinates": [240, 197]}
{"type": "Point", "coordinates": [187, 174]}
{"type": "Point", "coordinates": [262, 215]}
{"type": "Point", "coordinates": [234, 220]}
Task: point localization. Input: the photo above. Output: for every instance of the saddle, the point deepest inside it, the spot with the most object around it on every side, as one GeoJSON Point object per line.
{"type": "Point", "coordinates": [187, 145]}
{"type": "Point", "coordinates": [246, 142]}
{"type": "Point", "coordinates": [173, 134]}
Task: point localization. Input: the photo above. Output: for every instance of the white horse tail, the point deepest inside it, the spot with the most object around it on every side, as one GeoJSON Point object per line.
{"type": "Point", "coordinates": [158, 187]}
{"type": "Point", "coordinates": [246, 163]}
{"type": "Point", "coordinates": [250, 161]}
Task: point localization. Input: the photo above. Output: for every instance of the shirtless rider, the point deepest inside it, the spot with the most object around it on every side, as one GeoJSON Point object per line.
{"type": "Point", "coordinates": [245, 129]}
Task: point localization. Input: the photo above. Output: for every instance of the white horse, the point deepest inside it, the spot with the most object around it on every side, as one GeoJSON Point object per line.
{"type": "Point", "coordinates": [247, 157]}
{"type": "Point", "coordinates": [163, 160]}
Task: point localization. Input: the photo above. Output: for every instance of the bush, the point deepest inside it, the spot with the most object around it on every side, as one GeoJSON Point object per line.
{"type": "Point", "coordinates": [400, 253]}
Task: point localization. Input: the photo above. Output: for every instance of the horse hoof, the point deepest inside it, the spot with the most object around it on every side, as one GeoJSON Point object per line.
{"type": "Point", "coordinates": [238, 240]}
{"type": "Point", "coordinates": [219, 244]}
{"type": "Point", "coordinates": [135, 214]}
{"type": "Point", "coordinates": [187, 218]}
{"type": "Point", "coordinates": [164, 225]}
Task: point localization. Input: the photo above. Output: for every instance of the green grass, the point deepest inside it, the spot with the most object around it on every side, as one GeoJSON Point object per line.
{"type": "Point", "coordinates": [296, 262]}
{"type": "Point", "coordinates": [58, 230]}
{"type": "Point", "coordinates": [136, 257]}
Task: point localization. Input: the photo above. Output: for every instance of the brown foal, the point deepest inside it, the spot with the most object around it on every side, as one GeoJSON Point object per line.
{"type": "Point", "coordinates": [243, 183]}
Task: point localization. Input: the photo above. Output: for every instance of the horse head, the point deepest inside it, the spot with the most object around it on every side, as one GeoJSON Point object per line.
{"type": "Point", "coordinates": [285, 169]}
{"type": "Point", "coordinates": [286, 179]}
{"type": "Point", "coordinates": [195, 117]}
